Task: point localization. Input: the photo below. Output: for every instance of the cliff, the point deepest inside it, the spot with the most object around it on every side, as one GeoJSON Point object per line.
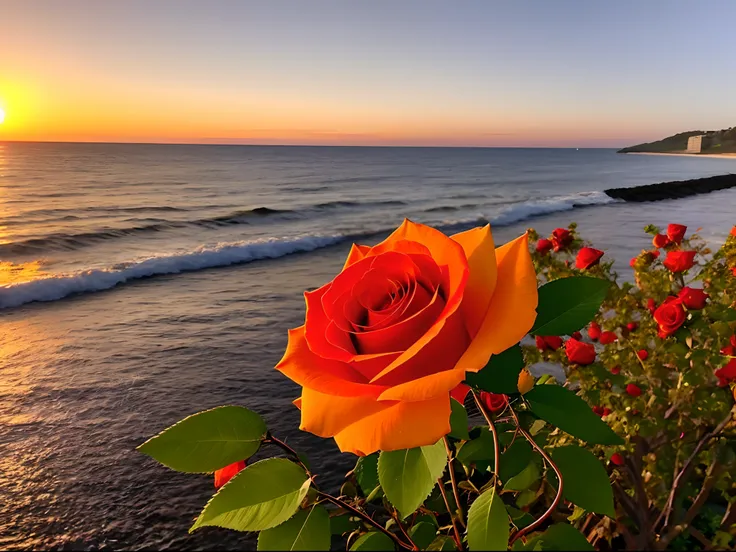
{"type": "Point", "coordinates": [714, 141]}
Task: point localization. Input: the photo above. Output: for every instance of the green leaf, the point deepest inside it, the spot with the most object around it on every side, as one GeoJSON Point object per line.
{"type": "Point", "coordinates": [513, 460]}
{"type": "Point", "coordinates": [568, 304]}
{"type": "Point", "coordinates": [209, 440]}
{"type": "Point", "coordinates": [559, 536]}
{"type": "Point", "coordinates": [345, 523]}
{"type": "Point", "coordinates": [564, 409]}
{"type": "Point", "coordinates": [477, 450]}
{"type": "Point", "coordinates": [443, 543]}
{"type": "Point", "coordinates": [488, 523]}
{"type": "Point", "coordinates": [307, 530]}
{"type": "Point", "coordinates": [458, 421]}
{"type": "Point", "coordinates": [519, 518]}
{"type": "Point", "coordinates": [526, 478]}
{"type": "Point", "coordinates": [263, 495]}
{"type": "Point", "coordinates": [408, 476]}
{"type": "Point", "coordinates": [585, 481]}
{"type": "Point", "coordinates": [501, 374]}
{"type": "Point", "coordinates": [423, 534]}
{"type": "Point", "coordinates": [373, 541]}
{"type": "Point", "coordinates": [366, 472]}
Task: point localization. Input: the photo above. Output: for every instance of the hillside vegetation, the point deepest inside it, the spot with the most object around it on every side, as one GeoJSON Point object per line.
{"type": "Point", "coordinates": [715, 141]}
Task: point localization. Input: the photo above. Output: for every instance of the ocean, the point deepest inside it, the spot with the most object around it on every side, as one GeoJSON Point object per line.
{"type": "Point", "coordinates": [143, 283]}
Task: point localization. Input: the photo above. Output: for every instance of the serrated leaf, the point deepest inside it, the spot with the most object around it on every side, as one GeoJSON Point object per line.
{"type": "Point", "coordinates": [373, 541]}
{"type": "Point", "coordinates": [585, 481]}
{"type": "Point", "coordinates": [423, 534]}
{"type": "Point", "coordinates": [458, 421]}
{"type": "Point", "coordinates": [366, 473]}
{"type": "Point", "coordinates": [307, 530]}
{"type": "Point", "coordinates": [478, 449]}
{"type": "Point", "coordinates": [559, 536]}
{"type": "Point", "coordinates": [501, 374]}
{"type": "Point", "coordinates": [514, 459]}
{"type": "Point", "coordinates": [519, 518]}
{"type": "Point", "coordinates": [408, 476]}
{"type": "Point", "coordinates": [442, 544]}
{"type": "Point", "coordinates": [563, 408]}
{"type": "Point", "coordinates": [568, 304]}
{"type": "Point", "coordinates": [209, 440]}
{"type": "Point", "coordinates": [488, 523]}
{"type": "Point", "coordinates": [526, 478]}
{"type": "Point", "coordinates": [263, 495]}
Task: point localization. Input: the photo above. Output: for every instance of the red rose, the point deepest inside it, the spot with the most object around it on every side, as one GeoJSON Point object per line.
{"type": "Point", "coordinates": [670, 316]}
{"type": "Point", "coordinates": [493, 401]}
{"type": "Point", "coordinates": [554, 342]}
{"type": "Point", "coordinates": [541, 345]}
{"type": "Point", "coordinates": [733, 340]}
{"type": "Point", "coordinates": [693, 298]}
{"type": "Point", "coordinates": [577, 335]}
{"type": "Point", "coordinates": [543, 246]}
{"type": "Point", "coordinates": [616, 370]}
{"type": "Point", "coordinates": [660, 240]}
{"type": "Point", "coordinates": [631, 326]}
{"type": "Point", "coordinates": [728, 350]}
{"type": "Point", "coordinates": [655, 253]}
{"type": "Point", "coordinates": [675, 232]}
{"type": "Point", "coordinates": [643, 354]}
{"type": "Point", "coordinates": [632, 262]}
{"type": "Point", "coordinates": [733, 231]}
{"type": "Point", "coordinates": [606, 411]}
{"type": "Point", "coordinates": [588, 257]}
{"type": "Point", "coordinates": [679, 261]}
{"type": "Point", "coordinates": [633, 390]}
{"type": "Point", "coordinates": [225, 474]}
{"type": "Point", "coordinates": [727, 373]}
{"type": "Point", "coordinates": [733, 271]}
{"type": "Point", "coordinates": [598, 410]}
{"type": "Point", "coordinates": [594, 331]}
{"type": "Point", "coordinates": [579, 352]}
{"type": "Point", "coordinates": [651, 305]}
{"type": "Point", "coordinates": [608, 337]}
{"type": "Point", "coordinates": [617, 459]}
{"type": "Point", "coordinates": [561, 238]}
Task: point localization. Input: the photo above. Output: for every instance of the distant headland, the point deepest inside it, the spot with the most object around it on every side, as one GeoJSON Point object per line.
{"type": "Point", "coordinates": [694, 142]}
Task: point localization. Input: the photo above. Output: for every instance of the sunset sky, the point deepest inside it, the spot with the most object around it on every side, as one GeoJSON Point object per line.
{"type": "Point", "coordinates": [481, 73]}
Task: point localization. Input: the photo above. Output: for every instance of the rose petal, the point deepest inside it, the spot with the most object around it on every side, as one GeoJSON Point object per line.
{"type": "Point", "coordinates": [424, 388]}
{"type": "Point", "coordinates": [512, 310]}
{"type": "Point", "coordinates": [357, 252]}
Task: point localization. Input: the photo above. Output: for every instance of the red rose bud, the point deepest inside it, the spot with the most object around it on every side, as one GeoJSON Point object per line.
{"type": "Point", "coordinates": [631, 326]}
{"type": "Point", "coordinates": [675, 232]}
{"type": "Point", "coordinates": [633, 390]}
{"type": "Point", "coordinates": [693, 298]}
{"type": "Point", "coordinates": [598, 410]}
{"type": "Point", "coordinates": [541, 345]}
{"type": "Point", "coordinates": [726, 374]}
{"type": "Point", "coordinates": [579, 352]}
{"type": "Point", "coordinates": [728, 350]}
{"type": "Point", "coordinates": [670, 316]}
{"type": "Point", "coordinates": [606, 411]}
{"type": "Point", "coordinates": [561, 238]}
{"type": "Point", "coordinates": [616, 370]}
{"type": "Point", "coordinates": [544, 246]}
{"type": "Point", "coordinates": [594, 331]}
{"type": "Point", "coordinates": [733, 271]}
{"type": "Point", "coordinates": [577, 335]}
{"type": "Point", "coordinates": [225, 474]}
{"type": "Point", "coordinates": [660, 240]}
{"type": "Point", "coordinates": [642, 354]}
{"type": "Point", "coordinates": [632, 262]}
{"type": "Point", "coordinates": [554, 342]}
{"type": "Point", "coordinates": [608, 337]}
{"type": "Point", "coordinates": [733, 231]}
{"type": "Point", "coordinates": [679, 261]}
{"type": "Point", "coordinates": [617, 459]}
{"type": "Point", "coordinates": [655, 253]}
{"type": "Point", "coordinates": [493, 401]}
{"type": "Point", "coordinates": [651, 305]}
{"type": "Point", "coordinates": [587, 258]}
{"type": "Point", "coordinates": [733, 340]}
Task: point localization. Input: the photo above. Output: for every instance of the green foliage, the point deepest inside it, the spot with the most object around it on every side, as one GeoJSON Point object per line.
{"type": "Point", "coordinates": [525, 478]}
{"type": "Point", "coordinates": [366, 472]}
{"type": "Point", "coordinates": [564, 409]}
{"type": "Point", "coordinates": [408, 476]}
{"type": "Point", "coordinates": [501, 374]}
{"type": "Point", "coordinates": [263, 495]}
{"type": "Point", "coordinates": [373, 542]}
{"type": "Point", "coordinates": [458, 421]}
{"type": "Point", "coordinates": [514, 458]}
{"type": "Point", "coordinates": [209, 440]}
{"type": "Point", "coordinates": [585, 479]}
{"type": "Point", "coordinates": [488, 523]}
{"type": "Point", "coordinates": [307, 530]}
{"type": "Point", "coordinates": [478, 449]}
{"type": "Point", "coordinates": [559, 536]}
{"type": "Point", "coordinates": [423, 534]}
{"type": "Point", "coordinates": [568, 304]}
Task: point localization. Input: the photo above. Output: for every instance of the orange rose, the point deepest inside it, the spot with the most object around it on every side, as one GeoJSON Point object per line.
{"type": "Point", "coordinates": [387, 340]}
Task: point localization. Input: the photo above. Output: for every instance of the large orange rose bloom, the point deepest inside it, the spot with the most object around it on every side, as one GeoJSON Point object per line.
{"type": "Point", "coordinates": [387, 340]}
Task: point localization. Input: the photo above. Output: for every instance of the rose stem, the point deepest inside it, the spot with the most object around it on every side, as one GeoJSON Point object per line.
{"type": "Point", "coordinates": [455, 490]}
{"type": "Point", "coordinates": [458, 540]}
{"type": "Point", "coordinates": [395, 515]}
{"type": "Point", "coordinates": [336, 501]}
{"type": "Point", "coordinates": [532, 526]}
{"type": "Point", "coordinates": [492, 427]}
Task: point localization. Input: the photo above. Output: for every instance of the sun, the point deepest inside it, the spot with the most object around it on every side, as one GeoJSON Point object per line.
{"type": "Point", "coordinates": [2, 115]}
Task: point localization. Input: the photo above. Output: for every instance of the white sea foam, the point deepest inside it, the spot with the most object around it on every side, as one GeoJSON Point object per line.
{"type": "Point", "coordinates": [60, 286]}
{"type": "Point", "coordinates": [536, 207]}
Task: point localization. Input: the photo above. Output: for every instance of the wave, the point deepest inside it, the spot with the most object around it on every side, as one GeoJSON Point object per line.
{"type": "Point", "coordinates": [58, 287]}
{"type": "Point", "coordinates": [524, 210]}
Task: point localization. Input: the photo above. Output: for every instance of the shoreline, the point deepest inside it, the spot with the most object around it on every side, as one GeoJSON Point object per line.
{"type": "Point", "coordinates": [708, 155]}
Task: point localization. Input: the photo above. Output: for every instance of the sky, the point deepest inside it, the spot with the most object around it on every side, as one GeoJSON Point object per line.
{"type": "Point", "coordinates": [381, 72]}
